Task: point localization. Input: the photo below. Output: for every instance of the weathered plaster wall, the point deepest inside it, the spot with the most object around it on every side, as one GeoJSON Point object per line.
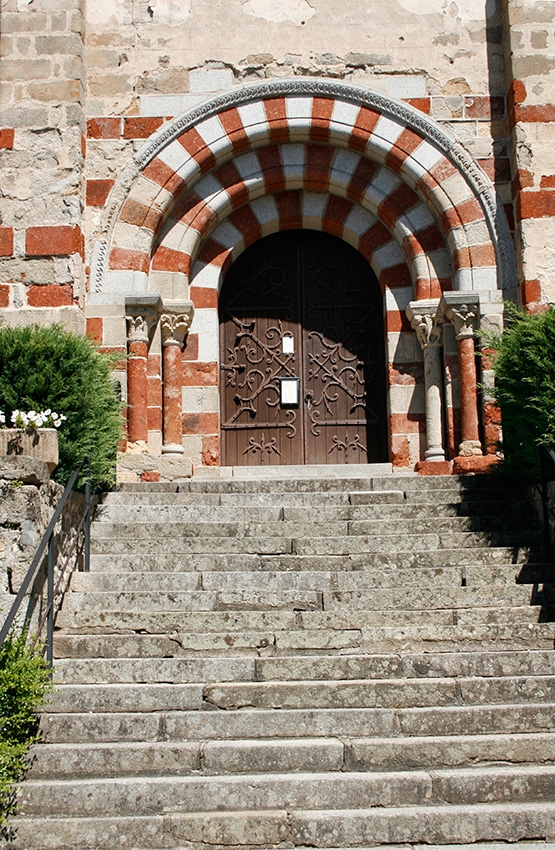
{"type": "Point", "coordinates": [530, 49]}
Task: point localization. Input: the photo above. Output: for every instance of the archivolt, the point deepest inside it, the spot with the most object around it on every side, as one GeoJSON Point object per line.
{"type": "Point", "coordinates": [345, 151]}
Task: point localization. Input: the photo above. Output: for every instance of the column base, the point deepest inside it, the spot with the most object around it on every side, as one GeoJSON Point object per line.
{"type": "Point", "coordinates": [474, 465]}
{"type": "Point", "coordinates": [172, 449]}
{"type": "Point", "coordinates": [470, 448]}
{"type": "Point", "coordinates": [435, 454]}
{"type": "Point", "coordinates": [434, 467]}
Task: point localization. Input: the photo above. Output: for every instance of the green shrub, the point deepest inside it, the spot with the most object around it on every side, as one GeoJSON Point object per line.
{"type": "Point", "coordinates": [24, 680]}
{"type": "Point", "coordinates": [524, 365]}
{"type": "Point", "coordinates": [53, 368]}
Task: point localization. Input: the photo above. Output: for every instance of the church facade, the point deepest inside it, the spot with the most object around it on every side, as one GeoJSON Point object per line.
{"type": "Point", "coordinates": [293, 219]}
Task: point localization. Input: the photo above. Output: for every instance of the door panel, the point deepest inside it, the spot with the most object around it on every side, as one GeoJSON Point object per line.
{"type": "Point", "coordinates": [322, 293]}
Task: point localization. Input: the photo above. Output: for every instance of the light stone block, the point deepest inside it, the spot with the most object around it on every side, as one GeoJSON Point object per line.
{"type": "Point", "coordinates": [160, 105]}
{"type": "Point", "coordinates": [210, 80]}
{"type": "Point", "coordinates": [208, 276]}
{"type": "Point", "coordinates": [191, 399]}
{"type": "Point", "coordinates": [406, 86]}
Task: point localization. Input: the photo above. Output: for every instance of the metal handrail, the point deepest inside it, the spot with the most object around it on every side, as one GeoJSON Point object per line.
{"type": "Point", "coordinates": [49, 540]}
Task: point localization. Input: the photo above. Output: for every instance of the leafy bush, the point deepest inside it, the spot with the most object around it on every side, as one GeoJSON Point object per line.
{"type": "Point", "coordinates": [524, 365]}
{"type": "Point", "coordinates": [54, 368]}
{"type": "Point", "coordinates": [24, 680]}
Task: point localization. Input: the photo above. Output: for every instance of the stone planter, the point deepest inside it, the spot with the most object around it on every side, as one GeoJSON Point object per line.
{"type": "Point", "coordinates": [41, 443]}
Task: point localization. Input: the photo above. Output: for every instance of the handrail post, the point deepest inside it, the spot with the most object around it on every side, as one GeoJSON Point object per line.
{"type": "Point", "coordinates": [545, 508]}
{"type": "Point", "coordinates": [50, 602]}
{"type": "Point", "coordinates": [87, 543]}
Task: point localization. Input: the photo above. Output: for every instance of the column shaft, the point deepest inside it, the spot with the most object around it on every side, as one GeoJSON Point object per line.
{"type": "Point", "coordinates": [171, 396]}
{"type": "Point", "coordinates": [137, 412]}
{"type": "Point", "coordinates": [469, 406]}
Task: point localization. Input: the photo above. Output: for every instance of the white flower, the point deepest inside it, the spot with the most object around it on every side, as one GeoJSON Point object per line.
{"type": "Point", "coordinates": [2, 418]}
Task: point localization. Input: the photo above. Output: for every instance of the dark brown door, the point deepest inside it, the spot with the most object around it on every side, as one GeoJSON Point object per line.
{"type": "Point", "coordinates": [305, 305]}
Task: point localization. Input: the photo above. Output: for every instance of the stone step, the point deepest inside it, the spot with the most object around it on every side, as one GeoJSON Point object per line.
{"type": "Point", "coordinates": [472, 516]}
{"type": "Point", "coordinates": [288, 755]}
{"type": "Point", "coordinates": [399, 724]}
{"type": "Point", "coordinates": [332, 791]}
{"type": "Point", "coordinates": [412, 597]}
{"type": "Point", "coordinates": [278, 581]}
{"type": "Point", "coordinates": [245, 543]}
{"type": "Point", "coordinates": [288, 619]}
{"type": "Point", "coordinates": [354, 693]}
{"type": "Point", "coordinates": [476, 557]}
{"type": "Point", "coordinates": [294, 526]}
{"type": "Point", "coordinates": [419, 665]}
{"type": "Point", "coordinates": [455, 824]}
{"type": "Point", "coordinates": [312, 643]}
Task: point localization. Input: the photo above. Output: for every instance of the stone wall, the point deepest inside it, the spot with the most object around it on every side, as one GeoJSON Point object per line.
{"type": "Point", "coordinates": [28, 499]}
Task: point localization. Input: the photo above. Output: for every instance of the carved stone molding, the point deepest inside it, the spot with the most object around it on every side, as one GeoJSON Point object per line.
{"type": "Point", "coordinates": [463, 311]}
{"type": "Point", "coordinates": [426, 321]}
{"type": "Point", "coordinates": [175, 322]}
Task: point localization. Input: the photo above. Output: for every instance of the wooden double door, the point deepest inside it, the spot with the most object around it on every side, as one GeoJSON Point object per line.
{"type": "Point", "coordinates": [302, 354]}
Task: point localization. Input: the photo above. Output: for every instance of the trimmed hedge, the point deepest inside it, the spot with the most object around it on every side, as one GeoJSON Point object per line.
{"type": "Point", "coordinates": [54, 368]}
{"type": "Point", "coordinates": [524, 365]}
{"type": "Point", "coordinates": [24, 680]}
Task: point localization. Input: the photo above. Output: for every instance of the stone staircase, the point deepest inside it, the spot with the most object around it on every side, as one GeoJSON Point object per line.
{"type": "Point", "coordinates": [316, 662]}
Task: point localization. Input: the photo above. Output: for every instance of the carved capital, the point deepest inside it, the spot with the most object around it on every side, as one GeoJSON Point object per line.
{"type": "Point", "coordinates": [426, 321]}
{"type": "Point", "coordinates": [141, 315]}
{"type": "Point", "coordinates": [463, 311]}
{"type": "Point", "coordinates": [137, 329]}
{"type": "Point", "coordinates": [175, 322]}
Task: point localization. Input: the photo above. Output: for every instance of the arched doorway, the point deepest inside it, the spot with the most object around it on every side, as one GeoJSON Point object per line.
{"type": "Point", "coordinates": [302, 360]}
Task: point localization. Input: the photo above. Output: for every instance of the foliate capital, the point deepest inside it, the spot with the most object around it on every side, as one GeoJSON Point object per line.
{"type": "Point", "coordinates": [137, 329]}
{"type": "Point", "coordinates": [175, 322]}
{"type": "Point", "coordinates": [427, 322]}
{"type": "Point", "coordinates": [463, 311]}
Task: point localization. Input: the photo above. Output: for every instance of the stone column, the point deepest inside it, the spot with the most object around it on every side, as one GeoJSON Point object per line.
{"type": "Point", "coordinates": [424, 318]}
{"type": "Point", "coordinates": [141, 315]}
{"type": "Point", "coordinates": [137, 348]}
{"type": "Point", "coordinates": [175, 323]}
{"type": "Point", "coordinates": [462, 309]}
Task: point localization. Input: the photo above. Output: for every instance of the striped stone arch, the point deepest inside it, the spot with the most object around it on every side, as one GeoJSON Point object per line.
{"type": "Point", "coordinates": [305, 154]}
{"type": "Point", "coordinates": [382, 165]}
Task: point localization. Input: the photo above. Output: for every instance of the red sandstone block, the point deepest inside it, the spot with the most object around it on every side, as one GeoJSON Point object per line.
{"type": "Point", "coordinates": [128, 260]}
{"type": "Point", "coordinates": [4, 296]}
{"type": "Point", "coordinates": [396, 276]}
{"type": "Point", "coordinates": [210, 453]}
{"type": "Point", "coordinates": [497, 168]}
{"type": "Point", "coordinates": [53, 241]}
{"type": "Point", "coordinates": [405, 375]}
{"type": "Point", "coordinates": [97, 192]}
{"type": "Point", "coordinates": [537, 204]}
{"type": "Point", "coordinates": [412, 423]}
{"type": "Point", "coordinates": [154, 418]}
{"type": "Point", "coordinates": [94, 329]}
{"type": "Point", "coordinates": [168, 260]}
{"type": "Point", "coordinates": [535, 114]}
{"type": "Point", "coordinates": [153, 365]}
{"type": "Point", "coordinates": [140, 128]}
{"type": "Point", "coordinates": [475, 464]}
{"type": "Point", "coordinates": [395, 321]}
{"type": "Point", "coordinates": [485, 107]}
{"type": "Point", "coordinates": [154, 391]}
{"type": "Point", "coordinates": [203, 297]}
{"type": "Point", "coordinates": [83, 146]}
{"type": "Point", "coordinates": [547, 181]}
{"type": "Point", "coordinates": [150, 475]}
{"type": "Point", "coordinates": [434, 467]}
{"type": "Point", "coordinates": [6, 241]}
{"type": "Point", "coordinates": [400, 452]}
{"type": "Point", "coordinates": [421, 103]}
{"type": "Point", "coordinates": [200, 374]}
{"type": "Point", "coordinates": [6, 139]}
{"type": "Point", "coordinates": [134, 212]}
{"type": "Point", "coordinates": [50, 295]}
{"type": "Point", "coordinates": [104, 128]}
{"type": "Point", "coordinates": [531, 291]}
{"type": "Point", "coordinates": [200, 423]}
{"type": "Point", "coordinates": [190, 352]}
